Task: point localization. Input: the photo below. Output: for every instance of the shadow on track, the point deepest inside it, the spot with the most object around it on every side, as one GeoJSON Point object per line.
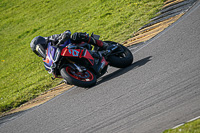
{"type": "Point", "coordinates": [122, 71]}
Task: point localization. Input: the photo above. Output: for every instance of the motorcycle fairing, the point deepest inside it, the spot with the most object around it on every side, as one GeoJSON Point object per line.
{"type": "Point", "coordinates": [50, 54]}
{"type": "Point", "coordinates": [70, 52]}
{"type": "Point", "coordinates": [80, 53]}
{"type": "Point", "coordinates": [86, 54]}
{"type": "Point", "coordinates": [104, 61]}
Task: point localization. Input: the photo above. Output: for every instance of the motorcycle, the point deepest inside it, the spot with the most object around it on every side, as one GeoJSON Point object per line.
{"type": "Point", "coordinates": [81, 65]}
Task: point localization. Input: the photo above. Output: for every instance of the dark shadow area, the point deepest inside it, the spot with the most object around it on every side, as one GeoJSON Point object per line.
{"type": "Point", "coordinates": [122, 71]}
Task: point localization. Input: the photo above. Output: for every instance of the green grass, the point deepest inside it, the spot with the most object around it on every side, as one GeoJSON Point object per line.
{"type": "Point", "coordinates": [22, 74]}
{"type": "Point", "coordinates": [191, 127]}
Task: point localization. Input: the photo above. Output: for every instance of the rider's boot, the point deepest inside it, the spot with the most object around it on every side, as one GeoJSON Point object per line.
{"type": "Point", "coordinates": [109, 48]}
{"type": "Point", "coordinates": [102, 44]}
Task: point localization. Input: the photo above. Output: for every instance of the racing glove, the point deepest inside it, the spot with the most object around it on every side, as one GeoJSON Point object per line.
{"type": "Point", "coordinates": [80, 37]}
{"type": "Point", "coordinates": [64, 37]}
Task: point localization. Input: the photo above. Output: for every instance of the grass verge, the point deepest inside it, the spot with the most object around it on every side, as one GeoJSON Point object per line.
{"type": "Point", "coordinates": [191, 127]}
{"type": "Point", "coordinates": [22, 74]}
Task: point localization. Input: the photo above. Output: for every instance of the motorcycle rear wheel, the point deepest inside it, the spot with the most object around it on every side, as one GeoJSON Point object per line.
{"type": "Point", "coordinates": [81, 79]}
{"type": "Point", "coordinates": [121, 60]}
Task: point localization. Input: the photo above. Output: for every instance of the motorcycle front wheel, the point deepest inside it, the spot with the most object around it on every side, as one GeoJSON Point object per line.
{"type": "Point", "coordinates": [74, 77]}
{"type": "Point", "coordinates": [120, 60]}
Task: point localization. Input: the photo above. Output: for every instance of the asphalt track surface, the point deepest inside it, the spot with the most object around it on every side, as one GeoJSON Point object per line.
{"type": "Point", "coordinates": [160, 90]}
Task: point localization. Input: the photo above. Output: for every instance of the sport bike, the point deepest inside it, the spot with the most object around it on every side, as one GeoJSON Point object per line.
{"type": "Point", "coordinates": [81, 64]}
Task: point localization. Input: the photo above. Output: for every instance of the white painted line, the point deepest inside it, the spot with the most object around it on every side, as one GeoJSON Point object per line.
{"type": "Point", "coordinates": [194, 119]}
{"type": "Point", "coordinates": [178, 125]}
{"type": "Point", "coordinates": [186, 122]}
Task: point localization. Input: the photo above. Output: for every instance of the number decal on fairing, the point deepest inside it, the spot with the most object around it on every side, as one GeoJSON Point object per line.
{"type": "Point", "coordinates": [73, 52]}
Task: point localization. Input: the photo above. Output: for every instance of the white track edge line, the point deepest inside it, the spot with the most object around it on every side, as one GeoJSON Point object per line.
{"type": "Point", "coordinates": [186, 122]}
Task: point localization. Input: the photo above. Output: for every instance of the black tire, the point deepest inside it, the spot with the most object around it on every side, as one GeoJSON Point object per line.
{"type": "Point", "coordinates": [70, 75]}
{"type": "Point", "coordinates": [121, 60]}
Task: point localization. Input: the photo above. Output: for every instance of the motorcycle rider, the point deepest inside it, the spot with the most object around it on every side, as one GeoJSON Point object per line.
{"type": "Point", "coordinates": [39, 43]}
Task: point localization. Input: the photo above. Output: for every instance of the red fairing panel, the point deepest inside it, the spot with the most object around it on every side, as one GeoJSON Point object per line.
{"type": "Point", "coordinates": [103, 60]}
{"type": "Point", "coordinates": [70, 52]}
{"type": "Point", "coordinates": [78, 53]}
{"type": "Point", "coordinates": [88, 56]}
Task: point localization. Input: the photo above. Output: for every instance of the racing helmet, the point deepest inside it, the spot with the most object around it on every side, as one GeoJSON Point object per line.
{"type": "Point", "coordinates": [38, 42]}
